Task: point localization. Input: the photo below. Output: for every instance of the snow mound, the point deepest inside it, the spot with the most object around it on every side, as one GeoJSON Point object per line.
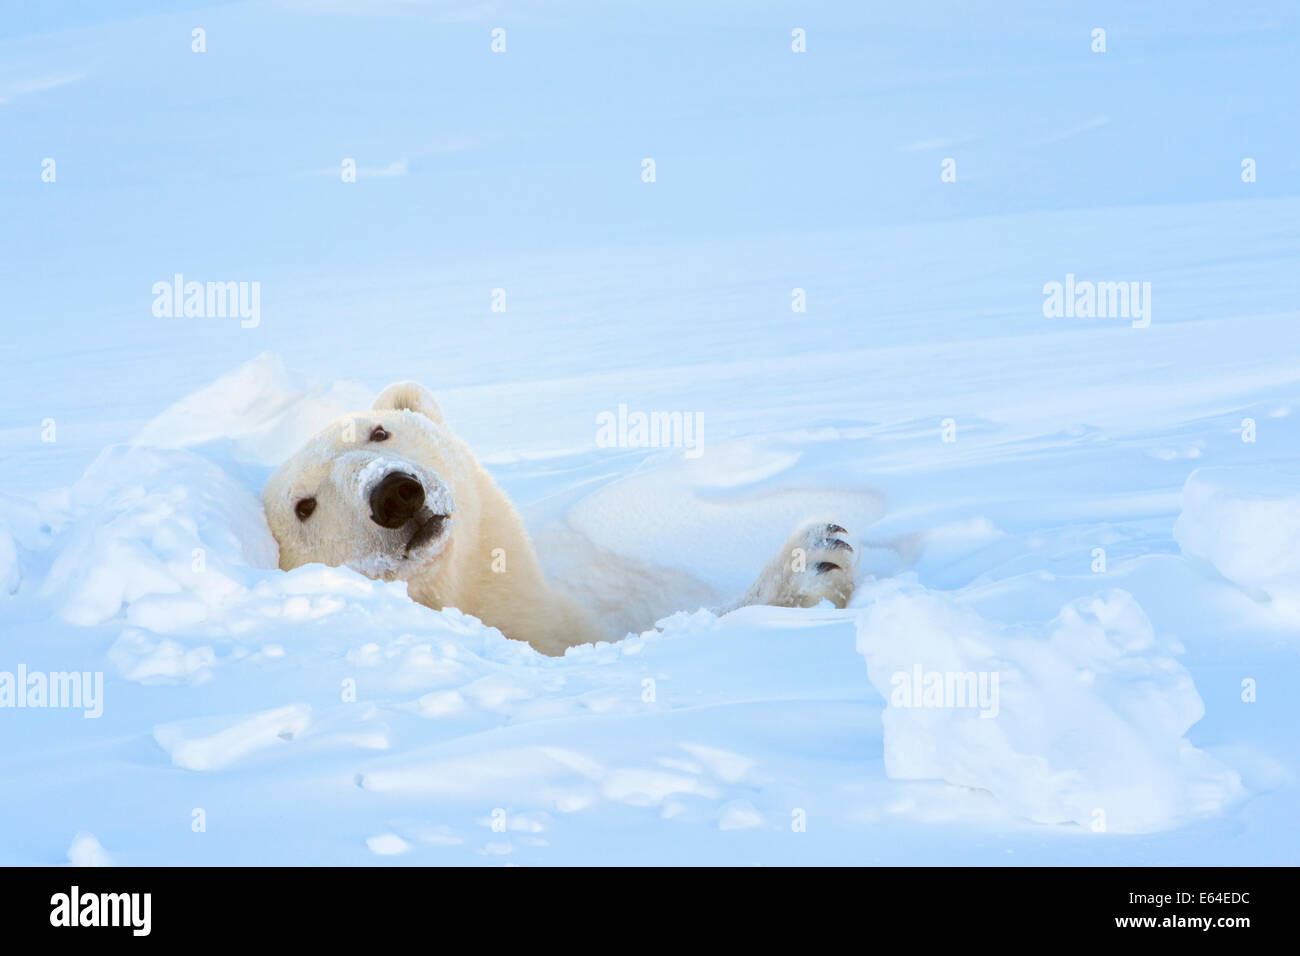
{"type": "Point", "coordinates": [86, 850]}
{"type": "Point", "coordinates": [1246, 524]}
{"type": "Point", "coordinates": [257, 408]}
{"type": "Point", "coordinates": [165, 535]}
{"type": "Point", "coordinates": [1082, 721]}
{"type": "Point", "coordinates": [21, 531]}
{"type": "Point", "coordinates": [212, 744]}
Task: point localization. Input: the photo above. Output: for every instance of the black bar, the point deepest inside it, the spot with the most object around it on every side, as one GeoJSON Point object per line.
{"type": "Point", "coordinates": [333, 905]}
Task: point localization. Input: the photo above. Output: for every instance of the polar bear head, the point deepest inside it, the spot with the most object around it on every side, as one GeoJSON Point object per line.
{"type": "Point", "coordinates": [379, 491]}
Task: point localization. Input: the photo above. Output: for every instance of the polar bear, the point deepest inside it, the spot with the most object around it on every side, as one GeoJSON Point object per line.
{"type": "Point", "coordinates": [393, 494]}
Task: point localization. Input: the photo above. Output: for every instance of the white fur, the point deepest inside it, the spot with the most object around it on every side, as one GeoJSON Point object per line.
{"type": "Point", "coordinates": [482, 561]}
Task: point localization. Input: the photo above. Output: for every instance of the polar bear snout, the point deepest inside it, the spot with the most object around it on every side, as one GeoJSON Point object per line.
{"type": "Point", "coordinates": [396, 499]}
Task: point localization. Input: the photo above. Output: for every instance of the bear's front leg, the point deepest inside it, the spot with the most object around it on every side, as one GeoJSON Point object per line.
{"type": "Point", "coordinates": [815, 565]}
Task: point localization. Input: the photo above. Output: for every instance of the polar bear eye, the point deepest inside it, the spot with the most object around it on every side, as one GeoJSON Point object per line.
{"type": "Point", "coordinates": [378, 434]}
{"type": "Point", "coordinates": [304, 508]}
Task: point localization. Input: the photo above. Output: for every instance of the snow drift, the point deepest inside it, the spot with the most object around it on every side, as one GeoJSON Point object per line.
{"type": "Point", "coordinates": [1246, 524]}
{"type": "Point", "coordinates": [1077, 720]}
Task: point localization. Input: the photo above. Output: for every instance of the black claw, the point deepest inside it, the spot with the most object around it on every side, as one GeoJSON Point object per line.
{"type": "Point", "coordinates": [838, 545]}
{"type": "Point", "coordinates": [824, 567]}
{"type": "Point", "coordinates": [835, 529]}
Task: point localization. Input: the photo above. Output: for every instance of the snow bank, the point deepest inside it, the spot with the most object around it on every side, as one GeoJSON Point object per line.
{"type": "Point", "coordinates": [259, 409]}
{"type": "Point", "coordinates": [1080, 721]}
{"type": "Point", "coordinates": [1247, 524]}
{"type": "Point", "coordinates": [164, 535]}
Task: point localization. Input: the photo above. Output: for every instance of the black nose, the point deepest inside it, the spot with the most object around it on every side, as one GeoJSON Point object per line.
{"type": "Point", "coordinates": [395, 500]}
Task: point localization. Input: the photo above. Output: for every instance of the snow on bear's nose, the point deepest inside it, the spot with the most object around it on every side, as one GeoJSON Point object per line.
{"type": "Point", "coordinates": [395, 500]}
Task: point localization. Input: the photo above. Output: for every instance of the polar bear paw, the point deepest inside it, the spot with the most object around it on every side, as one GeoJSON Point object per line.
{"type": "Point", "coordinates": [815, 565]}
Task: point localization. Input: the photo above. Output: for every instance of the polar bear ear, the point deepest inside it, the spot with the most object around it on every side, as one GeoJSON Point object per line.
{"type": "Point", "coordinates": [409, 396]}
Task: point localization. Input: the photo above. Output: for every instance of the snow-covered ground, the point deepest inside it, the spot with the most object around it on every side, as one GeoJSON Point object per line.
{"type": "Point", "coordinates": [1096, 521]}
{"type": "Point", "coordinates": [319, 716]}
